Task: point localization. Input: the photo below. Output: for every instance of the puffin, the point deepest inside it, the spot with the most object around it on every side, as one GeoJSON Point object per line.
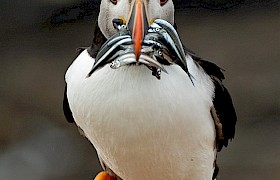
{"type": "Point", "coordinates": [144, 127]}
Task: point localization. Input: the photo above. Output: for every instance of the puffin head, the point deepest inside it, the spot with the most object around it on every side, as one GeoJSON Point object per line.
{"type": "Point", "coordinates": [136, 14]}
{"type": "Point", "coordinates": [124, 9]}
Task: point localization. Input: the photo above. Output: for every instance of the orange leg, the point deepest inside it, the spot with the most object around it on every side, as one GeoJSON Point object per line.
{"type": "Point", "coordinates": [103, 176]}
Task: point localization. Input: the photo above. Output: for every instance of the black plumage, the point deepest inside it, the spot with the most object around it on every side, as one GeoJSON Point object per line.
{"type": "Point", "coordinates": [66, 109]}
{"type": "Point", "coordinates": [222, 101]}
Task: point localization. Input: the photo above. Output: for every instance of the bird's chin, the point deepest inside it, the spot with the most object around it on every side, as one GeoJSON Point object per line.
{"type": "Point", "coordinates": [106, 28]}
{"type": "Point", "coordinates": [109, 32]}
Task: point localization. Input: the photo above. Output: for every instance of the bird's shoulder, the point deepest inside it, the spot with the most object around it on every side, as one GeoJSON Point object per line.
{"type": "Point", "coordinates": [223, 112]}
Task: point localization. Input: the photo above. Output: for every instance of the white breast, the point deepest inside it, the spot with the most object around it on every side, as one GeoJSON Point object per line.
{"type": "Point", "coordinates": [144, 128]}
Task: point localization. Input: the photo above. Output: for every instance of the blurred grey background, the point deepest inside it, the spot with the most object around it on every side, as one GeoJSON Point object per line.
{"type": "Point", "coordinates": [37, 43]}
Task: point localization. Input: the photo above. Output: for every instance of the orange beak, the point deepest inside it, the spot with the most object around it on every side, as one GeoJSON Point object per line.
{"type": "Point", "coordinates": [138, 25]}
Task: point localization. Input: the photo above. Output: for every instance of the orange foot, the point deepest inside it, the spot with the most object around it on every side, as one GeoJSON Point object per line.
{"type": "Point", "coordinates": [103, 176]}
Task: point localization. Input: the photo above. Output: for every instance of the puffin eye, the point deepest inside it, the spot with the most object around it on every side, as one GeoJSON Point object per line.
{"type": "Point", "coordinates": [114, 1]}
{"type": "Point", "coordinates": [162, 2]}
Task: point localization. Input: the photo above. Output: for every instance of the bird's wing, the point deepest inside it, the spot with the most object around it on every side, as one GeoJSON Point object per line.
{"type": "Point", "coordinates": [223, 112]}
{"type": "Point", "coordinates": [66, 109]}
{"type": "Point", "coordinates": [97, 42]}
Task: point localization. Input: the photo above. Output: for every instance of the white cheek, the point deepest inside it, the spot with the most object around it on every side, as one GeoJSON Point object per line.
{"type": "Point", "coordinates": [153, 10]}
{"type": "Point", "coordinates": [108, 12]}
{"type": "Point", "coordinates": [165, 12]}
{"type": "Point", "coordinates": [168, 14]}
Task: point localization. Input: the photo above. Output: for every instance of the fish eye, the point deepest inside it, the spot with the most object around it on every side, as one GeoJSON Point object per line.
{"type": "Point", "coordinates": [162, 2]}
{"type": "Point", "coordinates": [114, 1]}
